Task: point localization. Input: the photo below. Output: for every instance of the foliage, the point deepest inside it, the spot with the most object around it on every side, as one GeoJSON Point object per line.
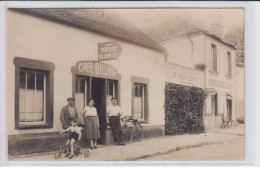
{"type": "Point", "coordinates": [200, 66]}
{"type": "Point", "coordinates": [183, 107]}
{"type": "Point", "coordinates": [235, 36]}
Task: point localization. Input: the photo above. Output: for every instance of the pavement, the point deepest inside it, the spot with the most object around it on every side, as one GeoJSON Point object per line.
{"type": "Point", "coordinates": [148, 147]}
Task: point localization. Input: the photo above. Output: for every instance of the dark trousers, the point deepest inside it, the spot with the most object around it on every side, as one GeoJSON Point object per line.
{"type": "Point", "coordinates": [116, 128]}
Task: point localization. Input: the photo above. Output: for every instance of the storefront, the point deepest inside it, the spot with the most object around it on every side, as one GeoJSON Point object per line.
{"type": "Point", "coordinates": [49, 61]}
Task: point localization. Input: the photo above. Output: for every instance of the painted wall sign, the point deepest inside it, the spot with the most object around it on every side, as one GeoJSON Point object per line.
{"type": "Point", "coordinates": [184, 76]}
{"type": "Point", "coordinates": [210, 90]}
{"type": "Point", "coordinates": [96, 69]}
{"type": "Point", "coordinates": [221, 84]}
{"type": "Point", "coordinates": [109, 51]}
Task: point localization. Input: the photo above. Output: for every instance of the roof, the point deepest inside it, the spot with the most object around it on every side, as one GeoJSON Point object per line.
{"type": "Point", "coordinates": [191, 30]}
{"type": "Point", "coordinates": [98, 20]}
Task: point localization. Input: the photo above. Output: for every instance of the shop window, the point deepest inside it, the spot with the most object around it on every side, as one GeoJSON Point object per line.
{"type": "Point", "coordinates": [229, 64]}
{"type": "Point", "coordinates": [214, 58]}
{"type": "Point", "coordinates": [140, 98]}
{"type": "Point", "coordinates": [33, 93]}
{"type": "Point", "coordinates": [214, 104]}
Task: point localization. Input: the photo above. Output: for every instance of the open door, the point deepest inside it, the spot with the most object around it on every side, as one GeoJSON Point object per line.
{"type": "Point", "coordinates": [99, 95]}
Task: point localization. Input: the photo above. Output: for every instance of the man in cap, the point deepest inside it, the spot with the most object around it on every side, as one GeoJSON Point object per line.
{"type": "Point", "coordinates": [68, 113]}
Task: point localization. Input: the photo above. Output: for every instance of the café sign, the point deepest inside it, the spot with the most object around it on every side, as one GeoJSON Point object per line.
{"type": "Point", "coordinates": [109, 51]}
{"type": "Point", "coordinates": [96, 69]}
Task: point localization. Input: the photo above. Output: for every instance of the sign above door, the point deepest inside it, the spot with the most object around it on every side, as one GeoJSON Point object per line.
{"type": "Point", "coordinates": [109, 50]}
{"type": "Point", "coordinates": [96, 69]}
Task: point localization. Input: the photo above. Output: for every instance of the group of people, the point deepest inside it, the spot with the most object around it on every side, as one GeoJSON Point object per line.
{"type": "Point", "coordinates": [69, 119]}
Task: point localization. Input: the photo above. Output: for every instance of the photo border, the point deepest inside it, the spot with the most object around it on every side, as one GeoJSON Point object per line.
{"type": "Point", "coordinates": [251, 71]}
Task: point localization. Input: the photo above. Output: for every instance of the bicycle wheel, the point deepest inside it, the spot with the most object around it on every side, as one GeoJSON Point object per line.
{"type": "Point", "coordinates": [127, 135]}
{"type": "Point", "coordinates": [138, 133]}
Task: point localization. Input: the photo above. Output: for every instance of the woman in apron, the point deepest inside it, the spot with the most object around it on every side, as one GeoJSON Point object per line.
{"type": "Point", "coordinates": [91, 124]}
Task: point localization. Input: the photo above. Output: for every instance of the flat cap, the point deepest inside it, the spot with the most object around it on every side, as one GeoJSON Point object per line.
{"type": "Point", "coordinates": [70, 98]}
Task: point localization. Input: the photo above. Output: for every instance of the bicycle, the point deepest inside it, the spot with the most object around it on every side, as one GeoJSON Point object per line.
{"type": "Point", "coordinates": [128, 134]}
{"type": "Point", "coordinates": [77, 152]}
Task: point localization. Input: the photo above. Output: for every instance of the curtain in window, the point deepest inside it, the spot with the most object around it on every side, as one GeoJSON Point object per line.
{"type": "Point", "coordinates": [31, 106]}
{"type": "Point", "coordinates": [137, 108]}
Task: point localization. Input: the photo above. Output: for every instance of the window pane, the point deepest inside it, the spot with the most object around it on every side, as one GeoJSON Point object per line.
{"type": "Point", "coordinates": [30, 105]}
{"type": "Point", "coordinates": [22, 105]}
{"type": "Point", "coordinates": [79, 102]}
{"type": "Point", "coordinates": [136, 91]}
{"type": "Point", "coordinates": [140, 91]}
{"type": "Point", "coordinates": [30, 80]}
{"type": "Point", "coordinates": [82, 86]}
{"type": "Point", "coordinates": [22, 80]}
{"type": "Point", "coordinates": [111, 89]}
{"type": "Point", "coordinates": [39, 81]}
{"type": "Point", "coordinates": [77, 85]}
{"type": "Point", "coordinates": [39, 105]}
{"type": "Point", "coordinates": [137, 109]}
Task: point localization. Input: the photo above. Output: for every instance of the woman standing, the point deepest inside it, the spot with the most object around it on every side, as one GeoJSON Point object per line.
{"type": "Point", "coordinates": [91, 124]}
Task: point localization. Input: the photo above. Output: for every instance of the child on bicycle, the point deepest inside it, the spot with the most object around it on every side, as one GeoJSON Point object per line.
{"type": "Point", "coordinates": [75, 135]}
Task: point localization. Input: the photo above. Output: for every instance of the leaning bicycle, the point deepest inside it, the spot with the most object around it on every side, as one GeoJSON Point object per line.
{"type": "Point", "coordinates": [131, 129]}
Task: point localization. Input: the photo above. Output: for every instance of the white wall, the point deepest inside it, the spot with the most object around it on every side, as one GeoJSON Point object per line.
{"type": "Point", "coordinates": [221, 76]}
{"type": "Point", "coordinates": [34, 38]}
{"type": "Point", "coordinates": [180, 52]}
{"type": "Point", "coordinates": [184, 51]}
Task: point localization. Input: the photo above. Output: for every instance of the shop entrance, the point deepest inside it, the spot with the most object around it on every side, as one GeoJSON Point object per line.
{"type": "Point", "coordinates": [97, 80]}
{"type": "Point", "coordinates": [101, 90]}
{"type": "Point", "coordinates": [99, 95]}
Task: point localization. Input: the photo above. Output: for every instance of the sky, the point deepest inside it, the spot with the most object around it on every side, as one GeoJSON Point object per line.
{"type": "Point", "coordinates": [143, 18]}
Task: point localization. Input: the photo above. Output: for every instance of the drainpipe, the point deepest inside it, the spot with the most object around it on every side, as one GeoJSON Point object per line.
{"type": "Point", "coordinates": [191, 42]}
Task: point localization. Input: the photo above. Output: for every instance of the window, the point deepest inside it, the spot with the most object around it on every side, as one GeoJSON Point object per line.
{"type": "Point", "coordinates": [33, 93]}
{"type": "Point", "coordinates": [111, 91]}
{"type": "Point", "coordinates": [229, 64]}
{"type": "Point", "coordinates": [32, 97]}
{"type": "Point", "coordinates": [81, 93]}
{"type": "Point", "coordinates": [140, 102]}
{"type": "Point", "coordinates": [214, 104]}
{"type": "Point", "coordinates": [139, 98]}
{"type": "Point", "coordinates": [214, 58]}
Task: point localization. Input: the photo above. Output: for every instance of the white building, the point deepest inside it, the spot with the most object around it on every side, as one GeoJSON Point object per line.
{"type": "Point", "coordinates": [53, 54]}
{"type": "Point", "coordinates": [193, 47]}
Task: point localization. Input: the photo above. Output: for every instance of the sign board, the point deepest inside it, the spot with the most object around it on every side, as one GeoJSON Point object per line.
{"type": "Point", "coordinates": [220, 84]}
{"type": "Point", "coordinates": [96, 69]}
{"type": "Point", "coordinates": [184, 76]}
{"type": "Point", "coordinates": [210, 90]}
{"type": "Point", "coordinates": [109, 51]}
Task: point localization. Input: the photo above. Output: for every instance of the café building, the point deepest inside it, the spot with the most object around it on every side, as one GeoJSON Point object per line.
{"type": "Point", "coordinates": [85, 53]}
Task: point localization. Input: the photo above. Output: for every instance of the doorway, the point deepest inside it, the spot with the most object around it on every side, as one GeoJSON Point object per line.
{"type": "Point", "coordinates": [98, 92]}
{"type": "Point", "coordinates": [229, 109]}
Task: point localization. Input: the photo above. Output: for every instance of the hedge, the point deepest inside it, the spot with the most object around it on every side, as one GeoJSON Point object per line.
{"type": "Point", "coordinates": [183, 108]}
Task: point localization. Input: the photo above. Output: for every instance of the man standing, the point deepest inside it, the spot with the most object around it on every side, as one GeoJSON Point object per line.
{"type": "Point", "coordinates": [68, 113]}
{"type": "Point", "coordinates": [113, 118]}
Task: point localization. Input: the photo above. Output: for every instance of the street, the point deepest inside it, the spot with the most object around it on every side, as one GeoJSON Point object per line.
{"type": "Point", "coordinates": [214, 145]}
{"type": "Point", "coordinates": [227, 151]}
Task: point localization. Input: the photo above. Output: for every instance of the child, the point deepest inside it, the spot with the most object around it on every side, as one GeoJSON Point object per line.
{"type": "Point", "coordinates": [75, 135]}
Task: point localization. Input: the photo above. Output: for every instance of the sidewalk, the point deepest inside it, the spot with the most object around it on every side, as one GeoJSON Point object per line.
{"type": "Point", "coordinates": [148, 147]}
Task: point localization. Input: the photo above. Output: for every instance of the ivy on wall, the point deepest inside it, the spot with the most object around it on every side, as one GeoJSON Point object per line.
{"type": "Point", "coordinates": [183, 109]}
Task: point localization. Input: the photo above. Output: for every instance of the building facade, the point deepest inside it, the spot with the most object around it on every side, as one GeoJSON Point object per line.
{"type": "Point", "coordinates": [49, 61]}
{"type": "Point", "coordinates": [216, 59]}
